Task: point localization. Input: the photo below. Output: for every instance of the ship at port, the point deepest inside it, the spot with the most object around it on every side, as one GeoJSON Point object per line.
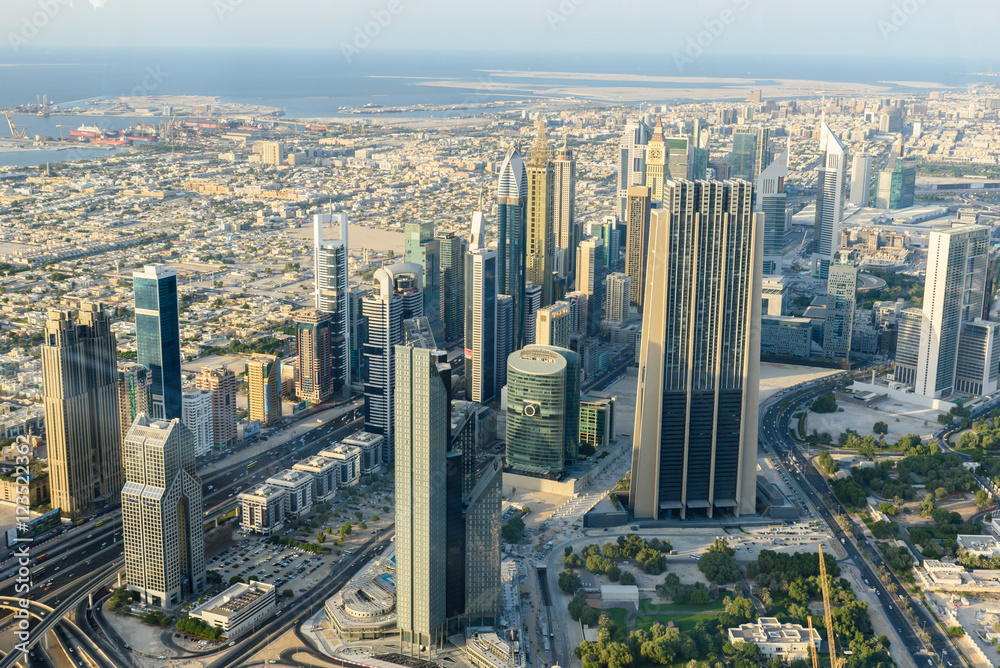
{"type": "Point", "coordinates": [113, 141]}
{"type": "Point", "coordinates": [142, 133]}
{"type": "Point", "coordinates": [88, 132]}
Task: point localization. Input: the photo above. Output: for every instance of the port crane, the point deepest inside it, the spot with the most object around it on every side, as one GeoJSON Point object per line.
{"type": "Point", "coordinates": [14, 132]}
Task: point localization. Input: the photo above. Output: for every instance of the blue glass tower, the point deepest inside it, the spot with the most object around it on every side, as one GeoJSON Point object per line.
{"type": "Point", "coordinates": [158, 339]}
{"type": "Point", "coordinates": [512, 203]}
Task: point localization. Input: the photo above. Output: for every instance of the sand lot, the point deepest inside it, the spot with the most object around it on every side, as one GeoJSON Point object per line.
{"type": "Point", "coordinates": [776, 377]}
{"type": "Point", "coordinates": [862, 419]}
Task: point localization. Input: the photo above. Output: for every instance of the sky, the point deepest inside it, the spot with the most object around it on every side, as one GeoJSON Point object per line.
{"type": "Point", "coordinates": [901, 28]}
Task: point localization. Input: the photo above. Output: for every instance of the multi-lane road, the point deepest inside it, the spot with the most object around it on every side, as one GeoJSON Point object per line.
{"type": "Point", "coordinates": [776, 420]}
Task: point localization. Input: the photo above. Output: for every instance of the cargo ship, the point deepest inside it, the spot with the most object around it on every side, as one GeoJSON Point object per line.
{"type": "Point", "coordinates": [317, 127]}
{"type": "Point", "coordinates": [87, 132]}
{"type": "Point", "coordinates": [112, 141]}
{"type": "Point", "coordinates": [140, 134]}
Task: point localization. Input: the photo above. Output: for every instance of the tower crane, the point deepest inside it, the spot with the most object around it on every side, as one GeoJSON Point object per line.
{"type": "Point", "coordinates": [834, 661]}
{"type": "Point", "coordinates": [812, 645]}
{"type": "Point", "coordinates": [14, 132]}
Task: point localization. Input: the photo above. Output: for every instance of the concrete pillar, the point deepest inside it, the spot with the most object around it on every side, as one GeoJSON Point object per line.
{"type": "Point", "coordinates": [45, 640]}
{"type": "Point", "coordinates": [119, 578]}
{"type": "Point", "coordinates": [90, 600]}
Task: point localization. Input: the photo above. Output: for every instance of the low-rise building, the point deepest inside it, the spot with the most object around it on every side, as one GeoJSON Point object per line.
{"type": "Point", "coordinates": [485, 649]}
{"type": "Point", "coordinates": [348, 459]}
{"type": "Point", "coordinates": [237, 609]}
{"type": "Point", "coordinates": [371, 446]}
{"type": "Point", "coordinates": [628, 593]}
{"type": "Point", "coordinates": [366, 607]}
{"type": "Point", "coordinates": [262, 509]}
{"type": "Point", "coordinates": [298, 486]}
{"type": "Point", "coordinates": [980, 546]}
{"type": "Point", "coordinates": [324, 472]}
{"type": "Point", "coordinates": [943, 573]}
{"type": "Point", "coordinates": [785, 641]}
{"type": "Point", "coordinates": [597, 421]}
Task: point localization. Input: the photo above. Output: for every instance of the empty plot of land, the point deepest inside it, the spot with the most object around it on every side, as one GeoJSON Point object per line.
{"type": "Point", "coordinates": [861, 420]}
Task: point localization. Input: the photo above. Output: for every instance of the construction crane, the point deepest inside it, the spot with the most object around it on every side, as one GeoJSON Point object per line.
{"type": "Point", "coordinates": [834, 662]}
{"type": "Point", "coordinates": [812, 645]}
{"type": "Point", "coordinates": [14, 132]}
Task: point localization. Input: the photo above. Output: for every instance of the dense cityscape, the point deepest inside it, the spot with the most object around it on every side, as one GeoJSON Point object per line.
{"type": "Point", "coordinates": [535, 369]}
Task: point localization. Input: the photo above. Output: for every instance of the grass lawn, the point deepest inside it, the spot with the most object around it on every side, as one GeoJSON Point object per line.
{"type": "Point", "coordinates": [647, 605]}
{"type": "Point", "coordinates": [618, 615]}
{"type": "Point", "coordinates": [684, 622]}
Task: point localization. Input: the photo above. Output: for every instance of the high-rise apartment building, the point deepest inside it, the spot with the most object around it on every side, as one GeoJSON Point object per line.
{"type": "Point", "coordinates": [532, 304]}
{"type": "Point", "coordinates": [512, 203]}
{"type": "Point", "coordinates": [841, 298]}
{"type": "Point", "coordinates": [197, 408]}
{"type": "Point", "coordinates": [631, 162]}
{"type": "Point", "coordinates": [272, 152]}
{"type": "Point", "coordinates": [861, 180]}
{"type": "Point", "coordinates": [750, 153]}
{"type": "Point", "coordinates": [830, 179]}
{"type": "Point", "coordinates": [505, 337]}
{"type": "Point", "coordinates": [422, 432]}
{"type": "Point", "coordinates": [333, 293]}
{"type": "Point", "coordinates": [480, 324]}
{"type": "Point", "coordinates": [953, 298]}
{"type": "Point", "coordinates": [158, 337]}
{"type": "Point", "coordinates": [771, 202]}
{"type": "Point", "coordinates": [453, 249]}
{"type": "Point", "coordinates": [264, 389]}
{"type": "Point", "coordinates": [162, 519]}
{"type": "Point", "coordinates": [314, 342]}
{"type": "Point", "coordinates": [619, 296]}
{"type": "Point", "coordinates": [590, 281]}
{"type": "Point", "coordinates": [421, 247]}
{"type": "Point", "coordinates": [695, 445]}
{"type": "Point", "coordinates": [543, 408]}
{"type": "Point", "coordinates": [553, 325]}
{"type": "Point", "coordinates": [539, 222]}
{"type": "Point", "coordinates": [134, 396]}
{"type": "Point", "coordinates": [564, 205]}
{"type": "Point", "coordinates": [221, 381]}
{"type": "Point", "coordinates": [638, 238]}
{"type": "Point", "coordinates": [80, 396]}
{"type": "Point", "coordinates": [396, 298]}
{"type": "Point", "coordinates": [359, 334]}
{"type": "Point", "coordinates": [607, 232]}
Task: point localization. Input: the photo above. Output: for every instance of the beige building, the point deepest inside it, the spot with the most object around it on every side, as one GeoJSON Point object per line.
{"type": "Point", "coordinates": [553, 325]}
{"type": "Point", "coordinates": [785, 641]}
{"type": "Point", "coordinates": [539, 223]}
{"type": "Point", "coordinates": [162, 521]}
{"type": "Point", "coordinates": [262, 509]}
{"type": "Point", "coordinates": [324, 472]}
{"type": "Point", "coordinates": [222, 382]}
{"type": "Point", "coordinates": [237, 609]}
{"type": "Point", "coordinates": [263, 389]}
{"type": "Point", "coordinates": [638, 212]}
{"type": "Point", "coordinates": [135, 384]}
{"type": "Point", "coordinates": [82, 425]}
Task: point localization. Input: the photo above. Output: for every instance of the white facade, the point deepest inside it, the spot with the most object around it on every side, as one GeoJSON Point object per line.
{"type": "Point", "coordinates": [861, 179]}
{"type": "Point", "coordinates": [197, 412]}
{"type": "Point", "coordinates": [298, 486]}
{"type": "Point", "coordinates": [785, 641]}
{"type": "Point", "coordinates": [347, 462]}
{"type": "Point", "coordinates": [239, 608]}
{"type": "Point", "coordinates": [553, 325]}
{"type": "Point", "coordinates": [619, 289]}
{"type": "Point", "coordinates": [831, 177]}
{"type": "Point", "coordinates": [324, 472]}
{"type": "Point", "coordinates": [262, 509]}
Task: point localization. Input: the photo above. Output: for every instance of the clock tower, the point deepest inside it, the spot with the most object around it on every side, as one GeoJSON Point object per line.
{"type": "Point", "coordinates": [656, 161]}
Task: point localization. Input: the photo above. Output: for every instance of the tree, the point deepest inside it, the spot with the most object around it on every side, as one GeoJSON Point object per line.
{"type": "Point", "coordinates": [956, 631]}
{"type": "Point", "coordinates": [719, 568]}
{"type": "Point", "coordinates": [825, 403]}
{"type": "Point", "coordinates": [880, 428]}
{"type": "Point", "coordinates": [512, 530]}
{"type": "Point", "coordinates": [347, 529]}
{"type": "Point", "coordinates": [236, 579]}
{"type": "Point", "coordinates": [983, 499]}
{"type": "Point", "coordinates": [287, 593]}
{"type": "Point", "coordinates": [828, 463]}
{"type": "Point", "coordinates": [627, 578]}
{"type": "Point", "coordinates": [569, 582]}
{"type": "Point", "coordinates": [888, 508]}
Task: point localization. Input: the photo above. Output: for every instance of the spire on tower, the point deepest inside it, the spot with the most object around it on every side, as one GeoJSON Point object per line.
{"type": "Point", "coordinates": [540, 149]}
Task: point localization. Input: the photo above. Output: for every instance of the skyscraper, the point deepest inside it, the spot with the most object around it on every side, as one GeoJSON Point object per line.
{"type": "Point", "coordinates": [333, 292]}
{"type": "Point", "coordinates": [480, 320]}
{"type": "Point", "coordinates": [619, 295]}
{"type": "Point", "coordinates": [157, 335]}
{"type": "Point", "coordinates": [696, 413]}
{"type": "Point", "coordinates": [656, 162]}
{"type": "Point", "coordinates": [453, 248]}
{"type": "Point", "coordinates": [543, 408]}
{"type": "Point", "coordinates": [564, 204]}
{"type": "Point", "coordinates": [532, 304]}
{"type": "Point", "coordinates": [638, 237]}
{"type": "Point", "coordinates": [861, 180]}
{"type": "Point", "coordinates": [553, 325]}
{"type": "Point", "coordinates": [751, 153]}
{"type": "Point", "coordinates": [539, 222]}
{"type": "Point", "coordinates": [590, 280]}
{"type": "Point", "coordinates": [134, 397]}
{"type": "Point", "coordinates": [680, 160]}
{"type": "Point", "coordinates": [314, 342]}
{"type": "Point", "coordinates": [424, 249]}
{"type": "Point", "coordinates": [80, 394]}
{"type": "Point", "coordinates": [830, 179]}
{"type": "Point", "coordinates": [841, 291]}
{"type": "Point", "coordinates": [505, 337]}
{"type": "Point", "coordinates": [607, 232]}
{"type": "Point", "coordinates": [422, 431]}
{"type": "Point", "coordinates": [771, 201]}
{"type": "Point", "coordinates": [953, 297]}
{"type": "Point", "coordinates": [896, 186]}
{"type": "Point", "coordinates": [358, 335]}
{"type": "Point", "coordinates": [197, 407]}
{"type": "Point", "coordinates": [162, 522]}
{"type": "Point", "coordinates": [631, 162]}
{"type": "Point", "coordinates": [221, 381]}
{"type": "Point", "coordinates": [264, 388]}
{"type": "Point", "coordinates": [512, 202]}
{"type": "Point", "coordinates": [397, 298]}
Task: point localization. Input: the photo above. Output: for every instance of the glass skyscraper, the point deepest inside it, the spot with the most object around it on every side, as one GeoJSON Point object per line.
{"type": "Point", "coordinates": [333, 293]}
{"type": "Point", "coordinates": [512, 203]}
{"type": "Point", "coordinates": [158, 339]}
{"type": "Point", "coordinates": [421, 247]}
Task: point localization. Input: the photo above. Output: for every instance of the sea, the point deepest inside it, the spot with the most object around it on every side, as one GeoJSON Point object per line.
{"type": "Point", "coordinates": [319, 83]}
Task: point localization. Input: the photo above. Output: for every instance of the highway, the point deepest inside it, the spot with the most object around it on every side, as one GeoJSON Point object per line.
{"type": "Point", "coordinates": [776, 420]}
